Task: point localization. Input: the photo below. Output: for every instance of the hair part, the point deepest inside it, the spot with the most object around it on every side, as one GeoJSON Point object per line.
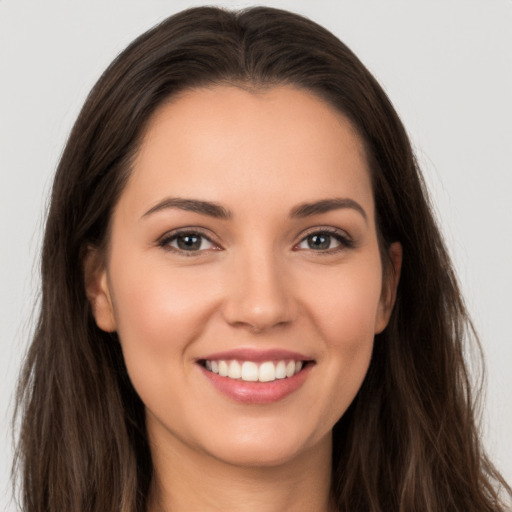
{"type": "Point", "coordinates": [409, 440]}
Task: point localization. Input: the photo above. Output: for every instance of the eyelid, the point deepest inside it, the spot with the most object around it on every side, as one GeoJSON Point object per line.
{"type": "Point", "coordinates": [345, 240]}
{"type": "Point", "coordinates": [164, 240]}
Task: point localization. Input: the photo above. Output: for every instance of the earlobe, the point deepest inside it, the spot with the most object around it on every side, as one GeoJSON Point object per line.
{"type": "Point", "coordinates": [97, 290]}
{"type": "Point", "coordinates": [389, 287]}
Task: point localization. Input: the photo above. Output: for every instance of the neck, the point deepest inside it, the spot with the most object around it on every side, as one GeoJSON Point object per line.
{"type": "Point", "coordinates": [185, 480]}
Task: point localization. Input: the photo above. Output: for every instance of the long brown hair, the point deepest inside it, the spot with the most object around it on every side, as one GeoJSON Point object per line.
{"type": "Point", "coordinates": [409, 440]}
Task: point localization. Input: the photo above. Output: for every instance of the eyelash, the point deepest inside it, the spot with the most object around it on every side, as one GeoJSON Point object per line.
{"type": "Point", "coordinates": [345, 242]}
{"type": "Point", "coordinates": [168, 238]}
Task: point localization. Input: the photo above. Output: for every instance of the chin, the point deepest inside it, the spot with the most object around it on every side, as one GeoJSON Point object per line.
{"type": "Point", "coordinates": [257, 456]}
{"type": "Point", "coordinates": [260, 447]}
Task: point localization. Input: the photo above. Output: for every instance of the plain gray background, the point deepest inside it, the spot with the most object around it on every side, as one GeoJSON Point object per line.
{"type": "Point", "coordinates": [446, 65]}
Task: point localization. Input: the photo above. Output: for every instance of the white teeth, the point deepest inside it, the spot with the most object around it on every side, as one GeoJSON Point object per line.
{"type": "Point", "coordinates": [267, 372]}
{"type": "Point", "coordinates": [223, 368]}
{"type": "Point", "coordinates": [235, 370]}
{"type": "Point", "coordinates": [250, 371]}
{"type": "Point", "coordinates": [281, 370]}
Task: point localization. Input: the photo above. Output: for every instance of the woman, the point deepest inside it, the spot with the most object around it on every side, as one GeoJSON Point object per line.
{"type": "Point", "coordinates": [246, 301]}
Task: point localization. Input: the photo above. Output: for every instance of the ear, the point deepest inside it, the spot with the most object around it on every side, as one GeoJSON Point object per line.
{"type": "Point", "coordinates": [97, 289]}
{"type": "Point", "coordinates": [389, 286]}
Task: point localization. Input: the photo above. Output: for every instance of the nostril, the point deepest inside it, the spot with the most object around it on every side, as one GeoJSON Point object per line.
{"type": "Point", "coordinates": [257, 319]}
{"type": "Point", "coordinates": [257, 296]}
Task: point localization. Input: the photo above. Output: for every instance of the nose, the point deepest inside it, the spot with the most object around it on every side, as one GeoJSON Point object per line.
{"type": "Point", "coordinates": [259, 295]}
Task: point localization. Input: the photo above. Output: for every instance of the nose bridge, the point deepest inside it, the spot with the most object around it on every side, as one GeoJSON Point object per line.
{"type": "Point", "coordinates": [259, 292]}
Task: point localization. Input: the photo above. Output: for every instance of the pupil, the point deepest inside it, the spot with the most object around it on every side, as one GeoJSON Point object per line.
{"type": "Point", "coordinates": [319, 241]}
{"type": "Point", "coordinates": [188, 242]}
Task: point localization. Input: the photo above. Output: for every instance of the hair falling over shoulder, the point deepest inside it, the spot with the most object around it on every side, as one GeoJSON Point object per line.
{"type": "Point", "coordinates": [409, 442]}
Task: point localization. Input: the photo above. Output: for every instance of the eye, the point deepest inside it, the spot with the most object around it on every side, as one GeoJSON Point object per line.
{"type": "Point", "coordinates": [187, 241]}
{"type": "Point", "coordinates": [324, 241]}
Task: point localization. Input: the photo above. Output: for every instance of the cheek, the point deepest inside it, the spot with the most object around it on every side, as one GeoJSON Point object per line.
{"type": "Point", "coordinates": [159, 313]}
{"type": "Point", "coordinates": [344, 308]}
{"type": "Point", "coordinates": [346, 303]}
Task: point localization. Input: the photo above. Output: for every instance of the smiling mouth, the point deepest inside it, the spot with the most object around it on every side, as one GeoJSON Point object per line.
{"type": "Point", "coordinates": [250, 371]}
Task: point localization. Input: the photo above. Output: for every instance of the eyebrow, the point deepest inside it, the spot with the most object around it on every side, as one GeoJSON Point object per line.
{"type": "Point", "coordinates": [217, 211]}
{"type": "Point", "coordinates": [191, 205]}
{"type": "Point", "coordinates": [327, 205]}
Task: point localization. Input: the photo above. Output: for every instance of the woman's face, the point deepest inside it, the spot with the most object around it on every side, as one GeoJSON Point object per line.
{"type": "Point", "coordinates": [243, 273]}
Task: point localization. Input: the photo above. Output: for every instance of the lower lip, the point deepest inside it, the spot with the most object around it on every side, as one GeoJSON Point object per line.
{"type": "Point", "coordinates": [257, 392]}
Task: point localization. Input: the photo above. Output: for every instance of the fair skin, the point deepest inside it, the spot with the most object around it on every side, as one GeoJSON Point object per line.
{"type": "Point", "coordinates": [245, 234]}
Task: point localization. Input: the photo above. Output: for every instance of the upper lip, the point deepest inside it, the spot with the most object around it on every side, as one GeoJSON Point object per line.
{"type": "Point", "coordinates": [257, 355]}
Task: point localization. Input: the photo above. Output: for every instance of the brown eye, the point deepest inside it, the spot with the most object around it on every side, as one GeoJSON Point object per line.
{"type": "Point", "coordinates": [188, 242]}
{"type": "Point", "coordinates": [326, 241]}
{"type": "Point", "coordinates": [320, 241]}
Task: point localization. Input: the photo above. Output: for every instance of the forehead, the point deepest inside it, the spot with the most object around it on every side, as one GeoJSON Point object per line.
{"type": "Point", "coordinates": [224, 141]}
